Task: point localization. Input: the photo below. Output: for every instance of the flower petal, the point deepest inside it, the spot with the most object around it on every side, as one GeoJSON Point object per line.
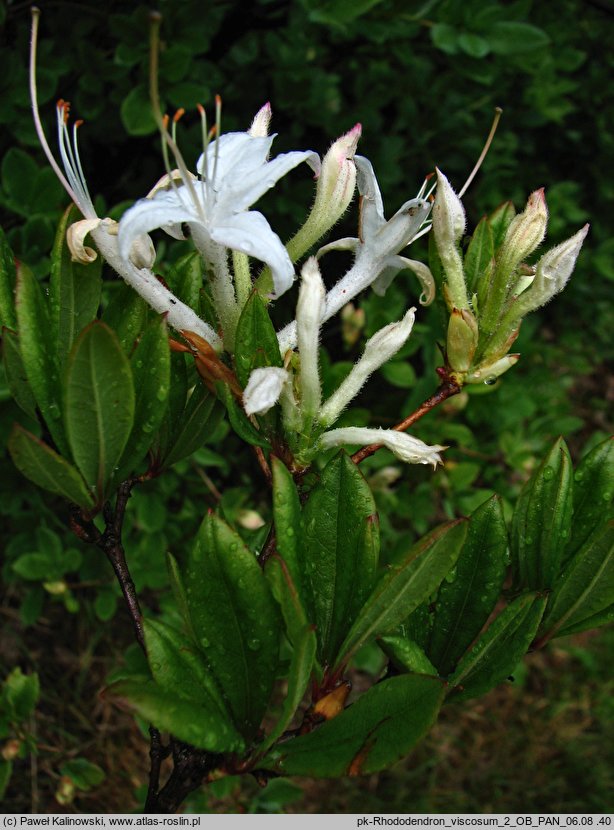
{"type": "Point", "coordinates": [397, 263]}
{"type": "Point", "coordinates": [75, 238]}
{"type": "Point", "coordinates": [251, 234]}
{"type": "Point", "coordinates": [248, 187]}
{"type": "Point", "coordinates": [238, 154]}
{"type": "Point", "coordinates": [263, 389]}
{"type": "Point", "coordinates": [372, 213]}
{"type": "Point", "coordinates": [165, 210]}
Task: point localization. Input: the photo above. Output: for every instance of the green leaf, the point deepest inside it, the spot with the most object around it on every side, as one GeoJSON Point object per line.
{"type": "Point", "coordinates": [177, 666]}
{"type": "Point", "coordinates": [339, 12]}
{"type": "Point", "coordinates": [6, 770]}
{"type": "Point", "coordinates": [16, 373]}
{"type": "Point", "coordinates": [510, 37]}
{"type": "Point", "coordinates": [301, 664]}
{"type": "Point", "coordinates": [541, 524]}
{"type": "Point", "coordinates": [46, 468]}
{"type": "Point", "coordinates": [235, 620]}
{"type": "Point", "coordinates": [151, 372]}
{"type": "Point", "coordinates": [256, 342]}
{"type": "Point", "coordinates": [74, 291]}
{"type": "Point", "coordinates": [19, 174]}
{"type": "Point", "coordinates": [197, 422]}
{"type": "Point", "coordinates": [239, 420]}
{"type": "Point", "coordinates": [82, 773]}
{"type": "Point", "coordinates": [499, 221]}
{"type": "Point", "coordinates": [99, 404]}
{"type": "Point", "coordinates": [105, 604]}
{"type": "Point", "coordinates": [372, 734]}
{"type": "Point", "coordinates": [185, 279]}
{"type": "Point", "coordinates": [8, 278]}
{"type": "Point", "coordinates": [286, 594]}
{"type": "Point", "coordinates": [406, 584]}
{"type": "Point", "coordinates": [399, 374]}
{"type": "Point", "coordinates": [178, 393]}
{"type": "Point", "coordinates": [499, 649]}
{"type": "Point", "coordinates": [339, 552]}
{"type": "Point", "coordinates": [37, 353]}
{"type": "Point", "coordinates": [473, 45]}
{"type": "Point", "coordinates": [185, 719]}
{"type": "Point", "coordinates": [179, 592]}
{"type": "Point", "coordinates": [127, 315]}
{"type": "Point", "coordinates": [445, 38]}
{"type": "Point", "coordinates": [21, 692]}
{"type": "Point", "coordinates": [467, 597]}
{"type": "Point", "coordinates": [406, 655]}
{"type": "Point", "coordinates": [287, 519]}
{"type": "Point", "coordinates": [479, 259]}
{"type": "Point", "coordinates": [586, 586]}
{"type": "Point", "coordinates": [36, 566]}
{"type": "Point", "coordinates": [592, 496]}
{"type": "Point", "coordinates": [136, 113]}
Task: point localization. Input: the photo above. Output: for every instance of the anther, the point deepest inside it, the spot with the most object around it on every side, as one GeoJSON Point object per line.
{"type": "Point", "coordinates": [179, 114]}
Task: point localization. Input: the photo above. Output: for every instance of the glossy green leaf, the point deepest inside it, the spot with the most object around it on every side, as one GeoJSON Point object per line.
{"type": "Point", "coordinates": [177, 666]}
{"type": "Point", "coordinates": [46, 468]}
{"type": "Point", "coordinates": [99, 404]}
{"type": "Point", "coordinates": [199, 419]}
{"type": "Point", "coordinates": [235, 619]}
{"type": "Point", "coordinates": [372, 734]}
{"type": "Point", "coordinates": [287, 595]}
{"type": "Point", "coordinates": [8, 279]}
{"type": "Point", "coordinates": [479, 259]}
{"type": "Point", "coordinates": [127, 315]}
{"type": "Point", "coordinates": [179, 592]}
{"type": "Point", "coordinates": [136, 113]}
{"type": "Point", "coordinates": [468, 595]}
{"type": "Point", "coordinates": [16, 374]}
{"type": "Point", "coordinates": [185, 279]}
{"type": "Point", "coordinates": [176, 404]}
{"type": "Point", "coordinates": [499, 221]}
{"type": "Point", "coordinates": [287, 519]}
{"type": "Point", "coordinates": [239, 421]}
{"type": "Point", "coordinates": [339, 551]}
{"type": "Point", "coordinates": [586, 586]}
{"type": "Point", "coordinates": [74, 291]}
{"type": "Point", "coordinates": [592, 493]}
{"type": "Point", "coordinates": [600, 618]}
{"type": "Point", "coordinates": [299, 675]}
{"type": "Point", "coordinates": [406, 584]}
{"type": "Point", "coordinates": [406, 655]}
{"type": "Point", "coordinates": [37, 353]}
{"type": "Point", "coordinates": [151, 372]}
{"type": "Point", "coordinates": [542, 521]}
{"type": "Point", "coordinates": [185, 719]}
{"type": "Point", "coordinates": [255, 341]}
{"type": "Point", "coordinates": [500, 648]}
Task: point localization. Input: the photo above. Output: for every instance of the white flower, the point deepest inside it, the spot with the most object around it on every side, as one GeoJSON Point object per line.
{"type": "Point", "coordinates": [376, 250]}
{"type": "Point", "coordinates": [263, 389]}
{"type": "Point", "coordinates": [405, 447]}
{"type": "Point", "coordinates": [309, 310]}
{"type": "Point", "coordinates": [378, 350]}
{"type": "Point", "coordinates": [234, 174]}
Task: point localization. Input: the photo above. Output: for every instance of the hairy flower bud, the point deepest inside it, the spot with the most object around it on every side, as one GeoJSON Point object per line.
{"type": "Point", "coordinates": [260, 124]}
{"type": "Point", "coordinates": [379, 349]}
{"type": "Point", "coordinates": [263, 389]}
{"type": "Point", "coordinates": [309, 312]}
{"type": "Point", "coordinates": [489, 372]}
{"type": "Point", "coordinates": [449, 223]}
{"type": "Point", "coordinates": [404, 446]}
{"type": "Point", "coordinates": [525, 233]}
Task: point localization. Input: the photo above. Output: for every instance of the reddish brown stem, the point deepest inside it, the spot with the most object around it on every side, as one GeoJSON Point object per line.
{"type": "Point", "coordinates": [447, 389]}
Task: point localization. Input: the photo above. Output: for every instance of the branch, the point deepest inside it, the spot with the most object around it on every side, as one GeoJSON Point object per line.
{"type": "Point", "coordinates": [447, 389]}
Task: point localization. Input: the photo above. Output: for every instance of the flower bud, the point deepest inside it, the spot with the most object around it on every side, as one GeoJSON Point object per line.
{"type": "Point", "coordinates": [462, 339]}
{"type": "Point", "coordinates": [404, 446]}
{"type": "Point", "coordinates": [525, 232]}
{"type": "Point", "coordinates": [448, 227]}
{"type": "Point", "coordinates": [260, 124]}
{"type": "Point", "coordinates": [489, 372]}
{"type": "Point", "coordinates": [263, 389]}
{"type": "Point", "coordinates": [379, 349]}
{"type": "Point", "coordinates": [309, 312]}
{"type": "Point", "coordinates": [552, 272]}
{"type": "Point", "coordinates": [334, 192]}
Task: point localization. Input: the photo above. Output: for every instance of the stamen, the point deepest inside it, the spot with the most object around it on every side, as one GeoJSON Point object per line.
{"type": "Point", "coordinates": [176, 118]}
{"type": "Point", "coordinates": [154, 94]}
{"type": "Point", "coordinates": [218, 130]}
{"type": "Point", "coordinates": [478, 164]}
{"type": "Point", "coordinates": [205, 141]}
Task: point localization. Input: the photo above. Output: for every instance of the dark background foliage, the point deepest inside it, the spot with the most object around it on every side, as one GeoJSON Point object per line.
{"type": "Point", "coordinates": [423, 78]}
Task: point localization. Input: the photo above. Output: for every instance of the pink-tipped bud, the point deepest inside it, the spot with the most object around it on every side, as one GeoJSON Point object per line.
{"type": "Point", "coordinates": [553, 271]}
{"type": "Point", "coordinates": [337, 179]}
{"type": "Point", "coordinates": [260, 124]}
{"type": "Point", "coordinates": [525, 233]}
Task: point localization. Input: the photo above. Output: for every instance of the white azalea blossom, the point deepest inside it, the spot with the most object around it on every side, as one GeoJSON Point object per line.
{"type": "Point", "coordinates": [404, 446]}
{"type": "Point", "coordinates": [264, 389]}
{"type": "Point", "coordinates": [234, 174]}
{"type": "Point", "coordinates": [376, 250]}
